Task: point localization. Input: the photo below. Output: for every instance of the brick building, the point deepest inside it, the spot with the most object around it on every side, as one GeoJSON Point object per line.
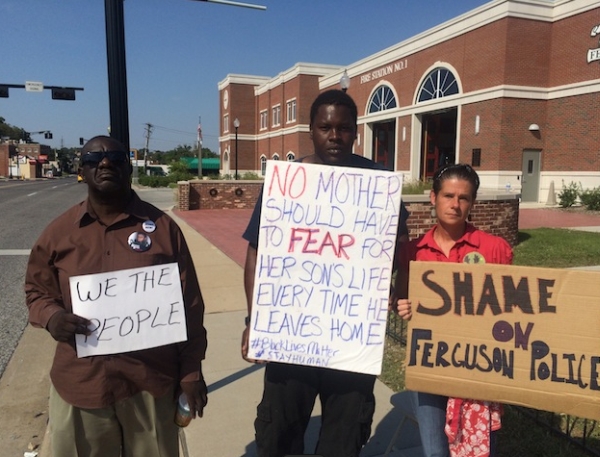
{"type": "Point", "coordinates": [511, 87]}
{"type": "Point", "coordinates": [23, 160]}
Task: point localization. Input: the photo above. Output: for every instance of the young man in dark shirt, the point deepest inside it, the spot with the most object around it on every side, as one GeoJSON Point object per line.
{"type": "Point", "coordinates": [290, 391]}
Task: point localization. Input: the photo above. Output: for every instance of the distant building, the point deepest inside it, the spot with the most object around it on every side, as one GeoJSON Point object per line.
{"type": "Point", "coordinates": [511, 87]}
{"type": "Point", "coordinates": [24, 160]}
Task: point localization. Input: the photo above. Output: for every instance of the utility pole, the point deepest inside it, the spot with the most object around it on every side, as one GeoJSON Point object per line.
{"type": "Point", "coordinates": [148, 133]}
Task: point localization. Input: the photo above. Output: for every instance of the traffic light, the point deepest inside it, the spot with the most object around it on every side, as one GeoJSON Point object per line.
{"type": "Point", "coordinates": [3, 91]}
{"type": "Point", "coordinates": [63, 94]}
{"type": "Point", "coordinates": [48, 135]}
{"type": "Point", "coordinates": [81, 141]}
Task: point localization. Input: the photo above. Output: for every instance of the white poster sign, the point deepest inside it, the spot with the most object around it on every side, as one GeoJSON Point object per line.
{"type": "Point", "coordinates": [130, 310]}
{"type": "Point", "coordinates": [324, 265]}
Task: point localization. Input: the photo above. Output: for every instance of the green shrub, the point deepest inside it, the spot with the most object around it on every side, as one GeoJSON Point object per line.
{"type": "Point", "coordinates": [249, 175]}
{"type": "Point", "coordinates": [415, 187]}
{"type": "Point", "coordinates": [590, 198]}
{"type": "Point", "coordinates": [155, 181]}
{"type": "Point", "coordinates": [567, 197]}
{"type": "Point", "coordinates": [178, 171]}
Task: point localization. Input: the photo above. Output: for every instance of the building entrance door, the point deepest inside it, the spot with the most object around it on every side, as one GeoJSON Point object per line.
{"type": "Point", "coordinates": [438, 146]}
{"type": "Point", "coordinates": [384, 144]}
{"type": "Point", "coordinates": [530, 181]}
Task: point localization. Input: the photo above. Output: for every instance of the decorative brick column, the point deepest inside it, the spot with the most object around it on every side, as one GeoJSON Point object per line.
{"type": "Point", "coordinates": [183, 199]}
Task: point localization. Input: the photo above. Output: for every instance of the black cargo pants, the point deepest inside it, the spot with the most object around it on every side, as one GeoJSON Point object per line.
{"type": "Point", "coordinates": [347, 404]}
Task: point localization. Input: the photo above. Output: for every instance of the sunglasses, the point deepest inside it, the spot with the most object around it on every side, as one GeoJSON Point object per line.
{"type": "Point", "coordinates": [94, 158]}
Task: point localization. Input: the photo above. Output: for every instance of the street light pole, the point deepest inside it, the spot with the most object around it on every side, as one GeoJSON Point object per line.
{"type": "Point", "coordinates": [227, 2]}
{"type": "Point", "coordinates": [117, 71]}
{"type": "Point", "coordinates": [117, 74]}
{"type": "Point", "coordinates": [345, 81]}
{"type": "Point", "coordinates": [236, 124]}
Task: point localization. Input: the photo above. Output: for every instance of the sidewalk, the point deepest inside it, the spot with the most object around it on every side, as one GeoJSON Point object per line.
{"type": "Point", "coordinates": [531, 217]}
{"type": "Point", "coordinates": [235, 387]}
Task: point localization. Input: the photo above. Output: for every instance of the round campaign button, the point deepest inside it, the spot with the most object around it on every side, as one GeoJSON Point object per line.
{"type": "Point", "coordinates": [139, 241]}
{"type": "Point", "coordinates": [149, 226]}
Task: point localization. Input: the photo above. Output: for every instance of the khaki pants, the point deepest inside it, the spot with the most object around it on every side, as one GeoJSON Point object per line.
{"type": "Point", "coordinates": [140, 426]}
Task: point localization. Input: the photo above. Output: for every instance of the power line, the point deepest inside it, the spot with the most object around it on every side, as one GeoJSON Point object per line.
{"type": "Point", "coordinates": [158, 127]}
{"type": "Point", "coordinates": [167, 129]}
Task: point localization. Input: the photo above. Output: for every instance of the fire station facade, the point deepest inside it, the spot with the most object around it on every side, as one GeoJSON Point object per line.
{"type": "Point", "coordinates": [511, 87]}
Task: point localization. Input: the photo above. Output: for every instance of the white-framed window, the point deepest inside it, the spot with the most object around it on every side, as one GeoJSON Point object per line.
{"type": "Point", "coordinates": [383, 98]}
{"type": "Point", "coordinates": [226, 123]}
{"type": "Point", "coordinates": [290, 157]}
{"type": "Point", "coordinates": [291, 111]}
{"type": "Point", "coordinates": [439, 83]}
{"type": "Point", "coordinates": [275, 156]}
{"type": "Point", "coordinates": [263, 165]}
{"type": "Point", "coordinates": [276, 111]}
{"type": "Point", "coordinates": [264, 120]}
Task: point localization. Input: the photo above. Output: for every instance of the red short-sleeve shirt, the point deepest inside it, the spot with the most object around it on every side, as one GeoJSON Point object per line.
{"type": "Point", "coordinates": [475, 246]}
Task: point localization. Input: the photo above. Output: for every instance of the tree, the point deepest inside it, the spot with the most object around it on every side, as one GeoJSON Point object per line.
{"type": "Point", "coordinates": [208, 154]}
{"type": "Point", "coordinates": [175, 155]}
{"type": "Point", "coordinates": [66, 159]}
{"type": "Point", "coordinates": [10, 131]}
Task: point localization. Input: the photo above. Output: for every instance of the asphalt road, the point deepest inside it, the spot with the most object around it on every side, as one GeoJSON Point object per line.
{"type": "Point", "coordinates": [26, 207]}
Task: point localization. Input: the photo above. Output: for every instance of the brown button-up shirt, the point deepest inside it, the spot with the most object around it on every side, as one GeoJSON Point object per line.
{"type": "Point", "coordinates": [77, 243]}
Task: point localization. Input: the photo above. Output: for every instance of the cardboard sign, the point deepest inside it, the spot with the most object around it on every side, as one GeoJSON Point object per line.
{"type": "Point", "coordinates": [324, 266]}
{"type": "Point", "coordinates": [520, 335]}
{"type": "Point", "coordinates": [130, 310]}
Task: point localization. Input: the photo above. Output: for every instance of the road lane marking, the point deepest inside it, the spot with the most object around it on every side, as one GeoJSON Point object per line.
{"type": "Point", "coordinates": [15, 252]}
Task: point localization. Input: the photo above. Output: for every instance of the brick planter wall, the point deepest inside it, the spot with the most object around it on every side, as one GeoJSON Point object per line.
{"type": "Point", "coordinates": [497, 214]}
{"type": "Point", "coordinates": [494, 213]}
{"type": "Point", "coordinates": [212, 194]}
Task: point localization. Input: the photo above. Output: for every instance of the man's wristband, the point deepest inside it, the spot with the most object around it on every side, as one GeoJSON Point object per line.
{"type": "Point", "coordinates": [247, 320]}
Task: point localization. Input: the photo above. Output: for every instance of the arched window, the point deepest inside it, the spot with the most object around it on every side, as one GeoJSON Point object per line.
{"type": "Point", "coordinates": [290, 157]}
{"type": "Point", "coordinates": [383, 98]}
{"type": "Point", "coordinates": [275, 156]}
{"type": "Point", "coordinates": [226, 157]}
{"type": "Point", "coordinates": [439, 83]}
{"type": "Point", "coordinates": [263, 165]}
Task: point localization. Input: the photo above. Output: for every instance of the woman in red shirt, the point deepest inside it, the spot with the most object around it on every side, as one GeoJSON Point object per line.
{"type": "Point", "coordinates": [453, 426]}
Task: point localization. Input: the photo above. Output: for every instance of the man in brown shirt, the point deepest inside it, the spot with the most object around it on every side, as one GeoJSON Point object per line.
{"type": "Point", "coordinates": [124, 403]}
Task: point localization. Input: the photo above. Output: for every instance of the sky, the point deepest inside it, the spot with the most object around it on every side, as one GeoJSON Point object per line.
{"type": "Point", "coordinates": [177, 51]}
